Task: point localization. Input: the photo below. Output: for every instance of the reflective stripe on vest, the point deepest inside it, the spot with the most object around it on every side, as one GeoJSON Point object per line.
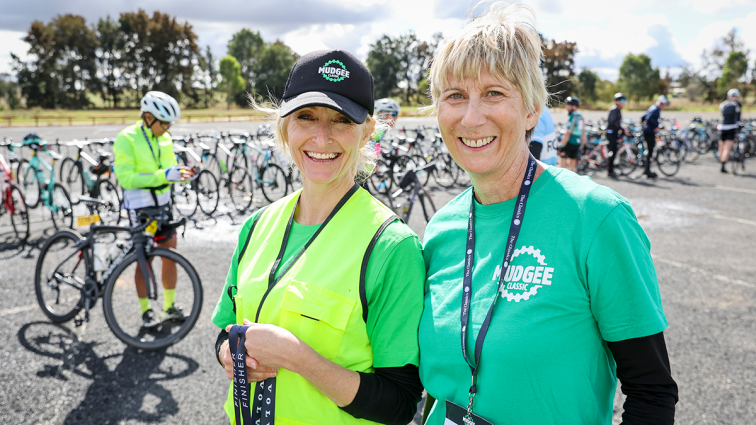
{"type": "Point", "coordinates": [318, 299]}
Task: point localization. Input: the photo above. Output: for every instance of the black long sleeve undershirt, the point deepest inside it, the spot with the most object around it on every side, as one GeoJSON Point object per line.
{"type": "Point", "coordinates": [389, 395]}
{"type": "Point", "coordinates": [646, 379]}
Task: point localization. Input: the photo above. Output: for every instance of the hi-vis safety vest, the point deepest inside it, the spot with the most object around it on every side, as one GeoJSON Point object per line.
{"type": "Point", "coordinates": [321, 298]}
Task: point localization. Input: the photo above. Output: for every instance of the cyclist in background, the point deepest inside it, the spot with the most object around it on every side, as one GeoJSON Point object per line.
{"type": "Point", "coordinates": [650, 128]}
{"type": "Point", "coordinates": [145, 166]}
{"type": "Point", "coordinates": [543, 143]}
{"type": "Point", "coordinates": [730, 122]}
{"type": "Point", "coordinates": [613, 130]}
{"type": "Point", "coordinates": [575, 137]}
{"type": "Point", "coordinates": [387, 111]}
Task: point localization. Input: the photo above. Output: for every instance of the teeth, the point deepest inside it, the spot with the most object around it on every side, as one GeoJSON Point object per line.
{"type": "Point", "coordinates": [477, 143]}
{"type": "Point", "coordinates": [318, 155]}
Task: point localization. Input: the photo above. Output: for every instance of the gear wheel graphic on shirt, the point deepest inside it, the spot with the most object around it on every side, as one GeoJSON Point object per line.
{"type": "Point", "coordinates": [535, 253]}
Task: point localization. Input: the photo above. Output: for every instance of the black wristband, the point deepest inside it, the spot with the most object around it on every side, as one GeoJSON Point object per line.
{"type": "Point", "coordinates": [222, 337]}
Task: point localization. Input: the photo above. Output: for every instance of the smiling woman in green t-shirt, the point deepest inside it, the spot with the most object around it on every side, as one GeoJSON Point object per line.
{"type": "Point", "coordinates": [540, 288]}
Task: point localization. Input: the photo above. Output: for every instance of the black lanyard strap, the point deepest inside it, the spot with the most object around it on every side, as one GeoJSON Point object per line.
{"type": "Point", "coordinates": [236, 339]}
{"type": "Point", "coordinates": [157, 159]}
{"type": "Point", "coordinates": [514, 232]}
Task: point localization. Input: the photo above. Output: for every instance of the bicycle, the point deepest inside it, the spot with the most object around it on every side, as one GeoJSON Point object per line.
{"type": "Point", "coordinates": [48, 192]}
{"type": "Point", "coordinates": [74, 271]}
{"type": "Point", "coordinates": [412, 188]}
{"type": "Point", "coordinates": [72, 172]}
{"type": "Point", "coordinates": [202, 192]}
{"type": "Point", "coordinates": [12, 202]}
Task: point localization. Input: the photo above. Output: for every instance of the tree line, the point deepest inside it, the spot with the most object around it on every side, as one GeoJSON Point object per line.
{"type": "Point", "coordinates": [119, 60]}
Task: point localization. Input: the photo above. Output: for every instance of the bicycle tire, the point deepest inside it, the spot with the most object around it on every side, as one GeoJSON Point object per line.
{"type": "Point", "coordinates": [27, 181]}
{"type": "Point", "coordinates": [54, 256]}
{"type": "Point", "coordinates": [63, 213]}
{"type": "Point", "coordinates": [667, 160]}
{"type": "Point", "coordinates": [379, 181]}
{"type": "Point", "coordinates": [69, 173]}
{"type": "Point", "coordinates": [399, 167]}
{"type": "Point", "coordinates": [110, 210]}
{"type": "Point", "coordinates": [208, 192]}
{"type": "Point", "coordinates": [446, 172]}
{"type": "Point", "coordinates": [701, 144]}
{"type": "Point", "coordinates": [421, 162]}
{"type": "Point", "coordinates": [272, 182]}
{"type": "Point", "coordinates": [122, 310]}
{"type": "Point", "coordinates": [241, 189]}
{"type": "Point", "coordinates": [627, 160]}
{"type": "Point", "coordinates": [184, 199]}
{"type": "Point", "coordinates": [428, 210]}
{"type": "Point", "coordinates": [20, 215]}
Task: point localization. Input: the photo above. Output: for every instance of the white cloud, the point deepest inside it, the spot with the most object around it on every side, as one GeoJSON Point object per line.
{"type": "Point", "coordinates": [709, 35]}
{"type": "Point", "coordinates": [710, 7]}
{"type": "Point", "coordinates": [11, 43]}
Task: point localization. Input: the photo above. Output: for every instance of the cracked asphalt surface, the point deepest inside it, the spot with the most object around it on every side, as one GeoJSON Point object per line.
{"type": "Point", "coordinates": [702, 226]}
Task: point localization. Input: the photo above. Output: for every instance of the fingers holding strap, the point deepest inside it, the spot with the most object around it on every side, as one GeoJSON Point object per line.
{"type": "Point", "coordinates": [236, 338]}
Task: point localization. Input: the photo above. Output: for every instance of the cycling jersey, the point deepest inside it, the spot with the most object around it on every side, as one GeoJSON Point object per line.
{"type": "Point", "coordinates": [140, 165]}
{"type": "Point", "coordinates": [651, 119]}
{"type": "Point", "coordinates": [544, 134]}
{"type": "Point", "coordinates": [730, 115]}
{"type": "Point", "coordinates": [576, 123]}
{"type": "Point", "coordinates": [614, 122]}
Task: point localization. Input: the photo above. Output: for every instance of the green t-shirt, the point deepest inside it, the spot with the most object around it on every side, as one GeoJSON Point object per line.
{"type": "Point", "coordinates": [576, 123]}
{"type": "Point", "coordinates": [393, 286]}
{"type": "Point", "coordinates": [582, 274]}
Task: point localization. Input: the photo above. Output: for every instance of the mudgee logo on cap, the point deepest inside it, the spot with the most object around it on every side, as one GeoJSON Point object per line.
{"type": "Point", "coordinates": [333, 73]}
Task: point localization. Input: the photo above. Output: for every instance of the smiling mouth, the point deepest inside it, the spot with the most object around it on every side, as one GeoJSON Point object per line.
{"type": "Point", "coordinates": [478, 142]}
{"type": "Point", "coordinates": [322, 156]}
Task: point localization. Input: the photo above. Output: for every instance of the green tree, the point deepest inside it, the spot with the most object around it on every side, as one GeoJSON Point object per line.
{"type": "Point", "coordinates": [272, 69]}
{"type": "Point", "coordinates": [735, 68]}
{"type": "Point", "coordinates": [384, 65]}
{"type": "Point", "coordinates": [637, 78]}
{"type": "Point", "coordinates": [246, 46]}
{"type": "Point", "coordinates": [109, 60]}
{"type": "Point", "coordinates": [9, 91]}
{"type": "Point", "coordinates": [558, 67]}
{"type": "Point", "coordinates": [231, 82]}
{"type": "Point", "coordinates": [588, 80]}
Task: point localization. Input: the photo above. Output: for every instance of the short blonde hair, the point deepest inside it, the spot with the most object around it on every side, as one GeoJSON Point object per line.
{"type": "Point", "coordinates": [505, 42]}
{"type": "Point", "coordinates": [366, 157]}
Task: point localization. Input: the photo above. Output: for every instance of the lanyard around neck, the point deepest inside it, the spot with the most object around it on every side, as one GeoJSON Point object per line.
{"type": "Point", "coordinates": [514, 232]}
{"type": "Point", "coordinates": [157, 159]}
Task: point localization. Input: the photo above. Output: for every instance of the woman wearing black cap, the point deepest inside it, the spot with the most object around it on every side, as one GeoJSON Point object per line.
{"type": "Point", "coordinates": [324, 295]}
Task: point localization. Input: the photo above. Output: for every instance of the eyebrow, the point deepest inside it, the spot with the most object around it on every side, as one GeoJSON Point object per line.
{"type": "Point", "coordinates": [452, 89]}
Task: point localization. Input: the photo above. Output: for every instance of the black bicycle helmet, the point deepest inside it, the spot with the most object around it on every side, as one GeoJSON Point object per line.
{"type": "Point", "coordinates": [619, 96]}
{"type": "Point", "coordinates": [572, 100]}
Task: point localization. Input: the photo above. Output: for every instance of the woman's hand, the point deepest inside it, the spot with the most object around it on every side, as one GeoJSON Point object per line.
{"type": "Point", "coordinates": [271, 346]}
{"type": "Point", "coordinates": [255, 373]}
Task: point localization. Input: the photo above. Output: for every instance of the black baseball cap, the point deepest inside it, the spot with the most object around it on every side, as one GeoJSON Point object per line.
{"type": "Point", "coordinates": [331, 78]}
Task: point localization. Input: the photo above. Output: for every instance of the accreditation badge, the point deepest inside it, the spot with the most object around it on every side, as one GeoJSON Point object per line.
{"type": "Point", "coordinates": [456, 415]}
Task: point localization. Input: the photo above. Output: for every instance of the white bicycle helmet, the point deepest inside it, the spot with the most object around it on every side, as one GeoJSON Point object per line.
{"type": "Point", "coordinates": [161, 106]}
{"type": "Point", "coordinates": [663, 99]}
{"type": "Point", "coordinates": [387, 105]}
{"type": "Point", "coordinates": [733, 93]}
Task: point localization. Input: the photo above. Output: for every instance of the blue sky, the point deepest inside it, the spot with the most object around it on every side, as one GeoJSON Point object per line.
{"type": "Point", "coordinates": [672, 32]}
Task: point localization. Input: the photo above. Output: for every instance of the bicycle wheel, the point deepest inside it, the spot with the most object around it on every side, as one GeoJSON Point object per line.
{"type": "Point", "coordinates": [59, 264]}
{"type": "Point", "coordinates": [61, 208]}
{"type": "Point", "coordinates": [627, 160]}
{"type": "Point", "coordinates": [110, 210]}
{"type": "Point", "coordinates": [121, 303]}
{"type": "Point", "coordinates": [379, 181]}
{"type": "Point", "coordinates": [19, 216]}
{"type": "Point", "coordinates": [70, 176]}
{"type": "Point", "coordinates": [294, 179]}
{"type": "Point", "coordinates": [446, 171]}
{"type": "Point", "coordinates": [426, 202]}
{"type": "Point", "coordinates": [27, 181]}
{"type": "Point", "coordinates": [273, 182]}
{"type": "Point", "coordinates": [668, 160]}
{"type": "Point", "coordinates": [206, 186]}
{"type": "Point", "coordinates": [421, 162]}
{"type": "Point", "coordinates": [184, 199]}
{"type": "Point", "coordinates": [241, 189]}
{"type": "Point", "coordinates": [700, 143]}
{"type": "Point", "coordinates": [400, 166]}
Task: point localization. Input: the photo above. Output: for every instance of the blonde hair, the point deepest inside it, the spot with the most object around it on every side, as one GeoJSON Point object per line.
{"type": "Point", "coordinates": [505, 42]}
{"type": "Point", "coordinates": [366, 157]}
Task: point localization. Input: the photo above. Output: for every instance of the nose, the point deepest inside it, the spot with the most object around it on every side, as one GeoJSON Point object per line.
{"type": "Point", "coordinates": [323, 135]}
{"type": "Point", "coordinates": [473, 117]}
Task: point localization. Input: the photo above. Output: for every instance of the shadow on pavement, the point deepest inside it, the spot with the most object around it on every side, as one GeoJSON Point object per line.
{"type": "Point", "coordinates": [117, 395]}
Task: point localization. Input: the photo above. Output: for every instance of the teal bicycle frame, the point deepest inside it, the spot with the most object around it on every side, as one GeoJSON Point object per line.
{"type": "Point", "coordinates": [46, 188]}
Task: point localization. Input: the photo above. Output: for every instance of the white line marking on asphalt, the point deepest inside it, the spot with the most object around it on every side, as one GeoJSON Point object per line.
{"type": "Point", "coordinates": [10, 311]}
{"type": "Point", "coordinates": [724, 217]}
{"type": "Point", "coordinates": [735, 189]}
{"type": "Point", "coordinates": [697, 270]}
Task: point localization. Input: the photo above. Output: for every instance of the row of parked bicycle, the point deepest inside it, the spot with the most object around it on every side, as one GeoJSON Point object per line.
{"type": "Point", "coordinates": [69, 180]}
{"type": "Point", "coordinates": [675, 144]}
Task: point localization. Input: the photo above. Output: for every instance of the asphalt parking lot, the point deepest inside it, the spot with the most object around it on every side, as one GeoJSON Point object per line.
{"type": "Point", "coordinates": [702, 227]}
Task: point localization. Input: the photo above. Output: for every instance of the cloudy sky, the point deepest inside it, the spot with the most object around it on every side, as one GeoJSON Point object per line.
{"type": "Point", "coordinates": [671, 32]}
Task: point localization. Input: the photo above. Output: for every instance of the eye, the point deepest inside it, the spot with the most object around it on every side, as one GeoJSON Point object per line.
{"type": "Point", "coordinates": [344, 120]}
{"type": "Point", "coordinates": [456, 96]}
{"type": "Point", "coordinates": [494, 93]}
{"type": "Point", "coordinates": [304, 116]}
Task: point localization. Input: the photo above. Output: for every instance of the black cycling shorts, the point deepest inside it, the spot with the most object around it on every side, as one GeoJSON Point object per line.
{"type": "Point", "coordinates": [570, 151]}
{"type": "Point", "coordinates": [163, 235]}
{"type": "Point", "coordinates": [727, 134]}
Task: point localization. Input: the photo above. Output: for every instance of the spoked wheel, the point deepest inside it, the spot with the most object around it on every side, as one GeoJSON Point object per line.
{"type": "Point", "coordinates": [184, 199]}
{"type": "Point", "coordinates": [61, 266]}
{"type": "Point", "coordinates": [668, 160]}
{"type": "Point", "coordinates": [400, 166]}
{"type": "Point", "coordinates": [241, 189]}
{"type": "Point", "coordinates": [380, 180]}
{"type": "Point", "coordinates": [421, 162]}
{"type": "Point", "coordinates": [426, 202]}
{"type": "Point", "coordinates": [61, 208]}
{"type": "Point", "coordinates": [700, 143]}
{"type": "Point", "coordinates": [27, 181]}
{"type": "Point", "coordinates": [123, 312]}
{"type": "Point", "coordinates": [110, 210]}
{"type": "Point", "coordinates": [627, 160]}
{"type": "Point", "coordinates": [19, 215]}
{"type": "Point", "coordinates": [446, 171]}
{"type": "Point", "coordinates": [273, 182]}
{"type": "Point", "coordinates": [208, 193]}
{"type": "Point", "coordinates": [70, 176]}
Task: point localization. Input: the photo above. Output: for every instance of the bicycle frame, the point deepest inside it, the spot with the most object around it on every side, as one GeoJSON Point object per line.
{"type": "Point", "coordinates": [46, 188]}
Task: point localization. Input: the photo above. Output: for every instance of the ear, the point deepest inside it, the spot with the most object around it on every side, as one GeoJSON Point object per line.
{"type": "Point", "coordinates": [532, 119]}
{"type": "Point", "coordinates": [369, 129]}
